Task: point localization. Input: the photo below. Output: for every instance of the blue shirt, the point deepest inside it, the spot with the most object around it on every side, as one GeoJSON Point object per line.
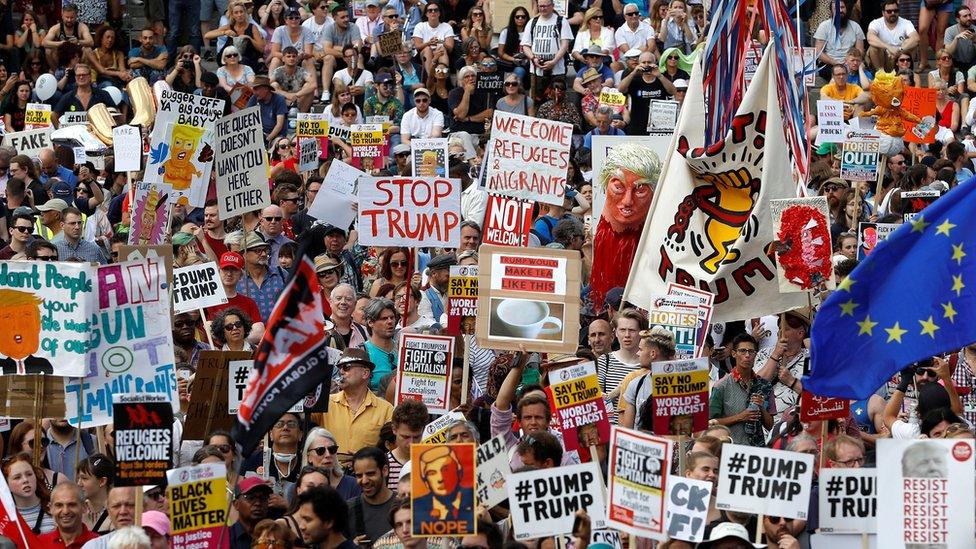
{"type": "Point", "coordinates": [413, 16]}
{"type": "Point", "coordinates": [84, 250]}
{"type": "Point", "coordinates": [267, 295]}
{"type": "Point", "coordinates": [270, 111]}
{"type": "Point", "coordinates": [588, 138]}
{"type": "Point", "coordinates": [606, 73]}
{"type": "Point", "coordinates": [385, 363]}
{"type": "Point", "coordinates": [64, 174]}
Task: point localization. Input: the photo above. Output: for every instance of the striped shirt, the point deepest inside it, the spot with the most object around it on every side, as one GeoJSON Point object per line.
{"type": "Point", "coordinates": [396, 467]}
{"type": "Point", "coordinates": [610, 371]}
{"type": "Point", "coordinates": [84, 250]}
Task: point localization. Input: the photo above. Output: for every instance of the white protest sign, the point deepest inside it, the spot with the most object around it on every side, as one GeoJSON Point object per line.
{"type": "Point", "coordinates": [848, 501]}
{"type": "Point", "coordinates": [493, 468]}
{"type": "Point", "coordinates": [29, 142]}
{"type": "Point", "coordinates": [687, 508]}
{"type": "Point", "coordinates": [663, 116]}
{"type": "Point", "coordinates": [197, 287]}
{"type": "Point", "coordinates": [429, 157]}
{"type": "Point", "coordinates": [335, 202]}
{"type": "Point", "coordinates": [927, 493]}
{"type": "Point", "coordinates": [410, 211]}
{"type": "Point", "coordinates": [760, 480]}
{"type": "Point", "coordinates": [830, 121]}
{"type": "Point", "coordinates": [436, 431]}
{"type": "Point", "coordinates": [425, 370]}
{"type": "Point", "coordinates": [544, 502]}
{"type": "Point", "coordinates": [240, 372]}
{"type": "Point", "coordinates": [842, 541]}
{"type": "Point", "coordinates": [638, 471]}
{"type": "Point", "coordinates": [529, 157]}
{"type": "Point", "coordinates": [74, 119]}
{"type": "Point", "coordinates": [309, 150]}
{"type": "Point", "coordinates": [241, 163]}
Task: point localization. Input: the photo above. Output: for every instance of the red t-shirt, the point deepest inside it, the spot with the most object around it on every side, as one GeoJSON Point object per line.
{"type": "Point", "coordinates": [53, 538]}
{"type": "Point", "coordinates": [242, 302]}
{"type": "Point", "coordinates": [217, 245]}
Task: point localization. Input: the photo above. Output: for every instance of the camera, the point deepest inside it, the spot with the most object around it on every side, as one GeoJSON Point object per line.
{"type": "Point", "coordinates": [186, 64]}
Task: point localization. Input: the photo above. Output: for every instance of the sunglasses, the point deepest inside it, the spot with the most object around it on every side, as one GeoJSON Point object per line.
{"type": "Point", "coordinates": [349, 366]}
{"type": "Point", "coordinates": [284, 145]}
{"type": "Point", "coordinates": [44, 442]}
{"type": "Point", "coordinates": [511, 84]}
{"type": "Point", "coordinates": [320, 451]}
{"type": "Point", "coordinates": [274, 219]}
{"type": "Point", "coordinates": [295, 200]}
{"type": "Point", "coordinates": [944, 58]}
{"type": "Point", "coordinates": [421, 100]}
{"type": "Point", "coordinates": [398, 263]}
{"type": "Point", "coordinates": [293, 17]}
{"type": "Point", "coordinates": [433, 10]}
{"type": "Point", "coordinates": [832, 188]}
{"type": "Point", "coordinates": [891, 11]}
{"type": "Point", "coordinates": [927, 372]}
{"type": "Point", "coordinates": [47, 258]}
{"type": "Point", "coordinates": [233, 326]}
{"type": "Point", "coordinates": [905, 60]}
{"type": "Point", "coordinates": [520, 16]}
{"type": "Point", "coordinates": [224, 448]}
{"type": "Point", "coordinates": [776, 520]}
{"type": "Point", "coordinates": [632, 14]}
{"type": "Point", "coordinates": [25, 230]}
{"type": "Point", "coordinates": [233, 55]}
{"type": "Point", "coordinates": [401, 155]}
{"type": "Point", "coordinates": [180, 323]}
{"type": "Point", "coordinates": [597, 17]}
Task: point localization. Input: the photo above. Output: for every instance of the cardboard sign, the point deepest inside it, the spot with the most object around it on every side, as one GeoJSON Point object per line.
{"type": "Point", "coordinates": [859, 160]}
{"type": "Point", "coordinates": [38, 115]}
{"type": "Point", "coordinates": [760, 480]}
{"type": "Point", "coordinates": [46, 308]}
{"type": "Point", "coordinates": [687, 508]}
{"type": "Point", "coordinates": [425, 371]}
{"type": "Point", "coordinates": [462, 300]}
{"type": "Point", "coordinates": [870, 235]}
{"type": "Point", "coordinates": [578, 407]}
{"type": "Point", "coordinates": [921, 103]}
{"type": "Point", "coordinates": [663, 116]}
{"type": "Point", "coordinates": [530, 297]}
{"type": "Point", "coordinates": [830, 121]}
{"type": "Point", "coordinates": [638, 472]}
{"type": "Point", "coordinates": [197, 498]}
{"type": "Point", "coordinates": [242, 164]}
{"type": "Point", "coordinates": [813, 407]}
{"type": "Point", "coordinates": [127, 147]}
{"type": "Point", "coordinates": [803, 249]}
{"type": "Point", "coordinates": [20, 396]}
{"type": "Point", "coordinates": [390, 42]}
{"type": "Point", "coordinates": [312, 125]}
{"type": "Point", "coordinates": [682, 321]}
{"type": "Point", "coordinates": [151, 207]}
{"type": "Point", "coordinates": [410, 211]}
{"type": "Point", "coordinates": [237, 380]}
{"type": "Point", "coordinates": [208, 397]}
{"type": "Point", "coordinates": [133, 352]}
{"type": "Point", "coordinates": [181, 147]}
{"type": "Point", "coordinates": [913, 202]}
{"type": "Point", "coordinates": [680, 392]}
{"type": "Point", "coordinates": [507, 222]}
{"type": "Point", "coordinates": [927, 493]}
{"type": "Point", "coordinates": [442, 495]}
{"type": "Point", "coordinates": [143, 438]}
{"type": "Point", "coordinates": [529, 157]}
{"type": "Point", "coordinates": [309, 151]}
{"type": "Point", "coordinates": [29, 142]}
{"type": "Point", "coordinates": [197, 287]}
{"type": "Point", "coordinates": [163, 253]}
{"type": "Point", "coordinates": [544, 502]}
{"type": "Point", "coordinates": [704, 300]}
{"type": "Point", "coordinates": [848, 501]}
{"type": "Point", "coordinates": [493, 469]}
{"type": "Point", "coordinates": [436, 431]}
{"type": "Point", "coordinates": [429, 157]}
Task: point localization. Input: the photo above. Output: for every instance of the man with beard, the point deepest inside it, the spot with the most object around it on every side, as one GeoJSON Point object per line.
{"type": "Point", "coordinates": [263, 282]}
{"type": "Point", "coordinates": [335, 245]}
{"type": "Point", "coordinates": [370, 510]}
{"type": "Point", "coordinates": [959, 40]}
{"type": "Point", "coordinates": [66, 511]}
{"type": "Point", "coordinates": [323, 519]}
{"type": "Point", "coordinates": [251, 502]}
{"type": "Point", "coordinates": [285, 463]}
{"type": "Point", "coordinates": [381, 318]}
{"type": "Point", "coordinates": [833, 47]}
{"type": "Point", "coordinates": [629, 178]}
{"type": "Point", "coordinates": [835, 189]}
{"type": "Point", "coordinates": [890, 36]}
{"type": "Point", "coordinates": [784, 533]}
{"type": "Point", "coordinates": [61, 450]}
{"type": "Point", "coordinates": [213, 229]}
{"type": "Point", "coordinates": [185, 335]}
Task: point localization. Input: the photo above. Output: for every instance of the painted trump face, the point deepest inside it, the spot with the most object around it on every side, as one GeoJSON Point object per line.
{"type": "Point", "coordinates": [628, 199]}
{"type": "Point", "coordinates": [442, 475]}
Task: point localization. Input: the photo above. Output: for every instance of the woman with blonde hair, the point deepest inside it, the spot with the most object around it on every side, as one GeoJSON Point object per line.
{"type": "Point", "coordinates": [241, 34]}
{"type": "Point", "coordinates": [593, 32]}
{"type": "Point", "coordinates": [477, 25]}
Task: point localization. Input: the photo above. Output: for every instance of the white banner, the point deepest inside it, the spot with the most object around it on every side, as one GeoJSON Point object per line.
{"type": "Point", "coordinates": [529, 157]}
{"type": "Point", "coordinates": [29, 142]}
{"type": "Point", "coordinates": [493, 470]}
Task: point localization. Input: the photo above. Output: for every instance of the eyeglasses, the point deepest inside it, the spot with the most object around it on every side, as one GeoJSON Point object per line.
{"type": "Point", "coordinates": [291, 424]}
{"type": "Point", "coordinates": [746, 351]}
{"type": "Point", "coordinates": [401, 155]}
{"type": "Point", "coordinates": [24, 230]}
{"type": "Point", "coordinates": [233, 326]}
{"type": "Point", "coordinates": [421, 100]}
{"type": "Point", "coordinates": [904, 59]}
{"type": "Point", "coordinates": [77, 74]}
{"type": "Point", "coordinates": [476, 13]}
{"type": "Point", "coordinates": [263, 250]}
{"type": "Point", "coordinates": [44, 442]}
{"type": "Point", "coordinates": [232, 55]}
{"type": "Point", "coordinates": [320, 451]}
{"type": "Point", "coordinates": [899, 163]}
{"type": "Point", "coordinates": [849, 462]}
{"type": "Point", "coordinates": [927, 372]}
{"type": "Point", "coordinates": [293, 17]}
{"type": "Point", "coordinates": [944, 58]}
{"type": "Point", "coordinates": [597, 17]}
{"type": "Point", "coordinates": [433, 10]}
{"type": "Point", "coordinates": [349, 366]}
{"type": "Point", "coordinates": [831, 188]}
{"type": "Point", "coordinates": [673, 58]}
{"type": "Point", "coordinates": [520, 16]}
{"type": "Point", "coordinates": [273, 219]}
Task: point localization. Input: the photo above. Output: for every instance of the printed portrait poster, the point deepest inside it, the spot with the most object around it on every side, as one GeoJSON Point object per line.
{"type": "Point", "coordinates": [181, 147]}
{"type": "Point", "coordinates": [687, 508]}
{"type": "Point", "coordinates": [45, 309]}
{"type": "Point", "coordinates": [429, 157]}
{"type": "Point", "coordinates": [544, 502]}
{"type": "Point", "coordinates": [197, 498]}
{"type": "Point", "coordinates": [638, 475]}
{"type": "Point", "coordinates": [425, 370]}
{"type": "Point", "coordinates": [442, 490]}
{"type": "Point", "coordinates": [528, 297]}
{"type": "Point", "coordinates": [921, 103]}
{"type": "Point", "coordinates": [578, 407]}
{"type": "Point", "coordinates": [848, 501]}
{"type": "Point", "coordinates": [462, 300]}
{"type": "Point", "coordinates": [132, 341]}
{"type": "Point", "coordinates": [529, 157]}
{"type": "Point", "coordinates": [493, 469]}
{"type": "Point", "coordinates": [679, 389]}
{"type": "Point", "coordinates": [143, 439]}
{"type": "Point", "coordinates": [507, 222]}
{"type": "Point", "coordinates": [409, 211]}
{"type": "Point", "coordinates": [762, 480]}
{"type": "Point", "coordinates": [803, 247]}
{"type": "Point", "coordinates": [869, 235]}
{"type": "Point", "coordinates": [150, 209]}
{"type": "Point", "coordinates": [928, 493]}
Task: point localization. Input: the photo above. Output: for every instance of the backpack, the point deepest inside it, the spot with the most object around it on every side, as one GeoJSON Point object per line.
{"type": "Point", "coordinates": [559, 28]}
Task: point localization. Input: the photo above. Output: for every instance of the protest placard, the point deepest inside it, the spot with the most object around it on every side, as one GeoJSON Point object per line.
{"type": "Point", "coordinates": [442, 477]}
{"type": "Point", "coordinates": [803, 247]}
{"type": "Point", "coordinates": [491, 82]}
{"type": "Point", "coordinates": [163, 253]}
{"type": "Point", "coordinates": [309, 151]}
{"type": "Point", "coordinates": [197, 287]}
{"type": "Point", "coordinates": [859, 160]}
{"type": "Point", "coordinates": [429, 157]}
{"type": "Point", "coordinates": [921, 103]}
{"type": "Point", "coordinates": [368, 144]}
{"type": "Point", "coordinates": [29, 142]}
{"type": "Point", "coordinates": [242, 164]}
{"type": "Point", "coordinates": [678, 315]}
{"type": "Point", "coordinates": [603, 538]}
{"type": "Point", "coordinates": [679, 390]}
{"type": "Point", "coordinates": [544, 502]}
{"type": "Point", "coordinates": [493, 469]}
{"type": "Point", "coordinates": [340, 132]}
{"type": "Point", "coordinates": [390, 42]}
{"type": "Point", "coordinates": [870, 235]}
{"type": "Point", "coordinates": [507, 222]}
{"type": "Point", "coordinates": [239, 373]}
{"type": "Point", "coordinates": [462, 300]}
{"type": "Point", "coordinates": [830, 121]}
{"type": "Point", "coordinates": [197, 498]}
{"type": "Point", "coordinates": [425, 370]}
{"type": "Point", "coordinates": [704, 299]}
{"type": "Point", "coordinates": [529, 157]}
{"type": "Point", "coordinates": [611, 97]}
{"type": "Point", "coordinates": [687, 508]}
{"type": "Point", "coordinates": [78, 118]}
{"type": "Point", "coordinates": [47, 309]}
{"type": "Point", "coordinates": [127, 147]}
{"type": "Point", "coordinates": [143, 438]}
{"type": "Point", "coordinates": [335, 203]}
{"type": "Point", "coordinates": [31, 396]}
{"type": "Point", "coordinates": [151, 208]}
{"type": "Point", "coordinates": [913, 202]}
{"type": "Point", "coordinates": [310, 124]}
{"type": "Point", "coordinates": [37, 115]}
{"type": "Point", "coordinates": [181, 147]}
{"type": "Point", "coordinates": [578, 406]}
{"type": "Point", "coordinates": [814, 407]}
{"type": "Point", "coordinates": [208, 407]}
{"type": "Point", "coordinates": [663, 116]}
{"type": "Point", "coordinates": [927, 493]}
{"type": "Point", "coordinates": [848, 501]}
{"type": "Point", "coordinates": [133, 349]}
{"type": "Point", "coordinates": [760, 480]}
{"type": "Point", "coordinates": [409, 211]}
{"type": "Point", "coordinates": [843, 541]}
{"type": "Point", "coordinates": [638, 470]}
{"type": "Point", "coordinates": [436, 431]}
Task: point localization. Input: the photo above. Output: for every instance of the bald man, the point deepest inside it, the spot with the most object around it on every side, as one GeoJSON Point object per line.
{"type": "Point", "coordinates": [51, 168]}
{"type": "Point", "coordinates": [121, 506]}
{"type": "Point", "coordinates": [600, 337]}
{"type": "Point", "coordinates": [272, 227]}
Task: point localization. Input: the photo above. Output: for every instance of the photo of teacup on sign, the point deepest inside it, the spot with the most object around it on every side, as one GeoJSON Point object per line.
{"type": "Point", "coordinates": [526, 319]}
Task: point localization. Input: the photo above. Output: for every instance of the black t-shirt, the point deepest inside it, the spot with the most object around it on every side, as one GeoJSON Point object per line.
{"type": "Point", "coordinates": [641, 93]}
{"type": "Point", "coordinates": [477, 104]}
{"type": "Point", "coordinates": [69, 102]}
{"type": "Point", "coordinates": [17, 116]}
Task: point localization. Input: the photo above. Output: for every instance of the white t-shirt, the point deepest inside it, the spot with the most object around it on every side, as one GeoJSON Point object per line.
{"type": "Point", "coordinates": [636, 399]}
{"type": "Point", "coordinates": [316, 31]}
{"type": "Point", "coordinates": [838, 46]}
{"type": "Point", "coordinates": [545, 40]}
{"type": "Point", "coordinates": [606, 40]}
{"type": "Point", "coordinates": [424, 32]}
{"type": "Point", "coordinates": [893, 37]}
{"type": "Point", "coordinates": [421, 128]}
{"type": "Point", "coordinates": [365, 77]}
{"type": "Point", "coordinates": [634, 38]}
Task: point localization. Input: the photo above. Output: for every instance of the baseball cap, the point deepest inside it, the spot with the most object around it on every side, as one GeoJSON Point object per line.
{"type": "Point", "coordinates": [55, 204]}
{"type": "Point", "coordinates": [209, 79]}
{"type": "Point", "coordinates": [249, 484]}
{"type": "Point", "coordinates": [834, 180]}
{"type": "Point", "coordinates": [726, 530]}
{"type": "Point", "coordinates": [292, 11]}
{"type": "Point", "coordinates": [332, 229]}
{"type": "Point", "coordinates": [423, 91]}
{"type": "Point", "coordinates": [157, 521]}
{"type": "Point", "coordinates": [232, 260]}
{"type": "Point", "coordinates": [61, 189]}
{"type": "Point", "coordinates": [25, 210]}
{"type": "Point", "coordinates": [383, 76]}
{"type": "Point", "coordinates": [401, 148]}
{"type": "Point", "coordinates": [614, 297]}
{"type": "Point", "coordinates": [681, 84]}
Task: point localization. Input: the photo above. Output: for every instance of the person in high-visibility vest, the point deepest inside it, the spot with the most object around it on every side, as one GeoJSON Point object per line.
{"type": "Point", "coordinates": [49, 224]}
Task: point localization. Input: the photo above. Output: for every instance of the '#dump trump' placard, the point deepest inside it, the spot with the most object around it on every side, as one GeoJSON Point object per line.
{"type": "Point", "coordinates": [760, 480]}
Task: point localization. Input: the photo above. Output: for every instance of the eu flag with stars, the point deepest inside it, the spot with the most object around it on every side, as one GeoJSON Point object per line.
{"type": "Point", "coordinates": [913, 297]}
